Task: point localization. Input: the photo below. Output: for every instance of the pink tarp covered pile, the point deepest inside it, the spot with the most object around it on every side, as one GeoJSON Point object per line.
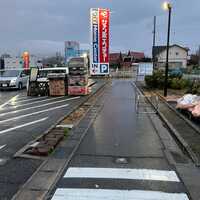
{"type": "Point", "coordinates": [190, 103]}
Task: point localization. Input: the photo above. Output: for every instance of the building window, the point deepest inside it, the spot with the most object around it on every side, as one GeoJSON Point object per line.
{"type": "Point", "coordinates": [177, 53]}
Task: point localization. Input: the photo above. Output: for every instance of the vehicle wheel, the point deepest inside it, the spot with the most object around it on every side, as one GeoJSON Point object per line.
{"type": "Point", "coordinates": [20, 86]}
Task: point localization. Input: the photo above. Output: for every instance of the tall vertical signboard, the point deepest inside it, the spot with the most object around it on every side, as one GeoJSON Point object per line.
{"type": "Point", "coordinates": [26, 60]}
{"type": "Point", "coordinates": [99, 58]}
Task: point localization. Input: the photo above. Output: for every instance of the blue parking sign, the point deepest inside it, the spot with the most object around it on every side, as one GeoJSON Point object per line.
{"type": "Point", "coordinates": [104, 68]}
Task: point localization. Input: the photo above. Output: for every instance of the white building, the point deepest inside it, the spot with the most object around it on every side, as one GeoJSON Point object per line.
{"type": "Point", "coordinates": [17, 62]}
{"type": "Point", "coordinates": [178, 56]}
{"type": "Point", "coordinates": [13, 63]}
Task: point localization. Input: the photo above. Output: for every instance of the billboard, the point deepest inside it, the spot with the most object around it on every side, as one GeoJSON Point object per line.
{"type": "Point", "coordinates": [26, 59]}
{"type": "Point", "coordinates": [100, 21]}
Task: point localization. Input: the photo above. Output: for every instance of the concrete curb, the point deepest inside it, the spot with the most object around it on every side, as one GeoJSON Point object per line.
{"type": "Point", "coordinates": [179, 114]}
{"type": "Point", "coordinates": [46, 176]}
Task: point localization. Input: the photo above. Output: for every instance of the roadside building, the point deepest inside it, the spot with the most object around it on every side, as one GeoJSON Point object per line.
{"type": "Point", "coordinates": [137, 56]}
{"type": "Point", "coordinates": [17, 62]}
{"type": "Point", "coordinates": [83, 52]}
{"type": "Point", "coordinates": [125, 61]}
{"type": "Point", "coordinates": [13, 63]}
{"type": "Point", "coordinates": [114, 59]}
{"type": "Point", "coordinates": [72, 49]}
{"type": "Point", "coordinates": [178, 56]}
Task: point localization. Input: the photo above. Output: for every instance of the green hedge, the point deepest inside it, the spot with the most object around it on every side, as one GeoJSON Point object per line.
{"type": "Point", "coordinates": [157, 80]}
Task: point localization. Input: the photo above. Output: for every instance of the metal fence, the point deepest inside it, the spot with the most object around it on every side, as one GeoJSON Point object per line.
{"type": "Point", "coordinates": [145, 101]}
{"type": "Point", "coordinates": [191, 76]}
{"type": "Point", "coordinates": [123, 74]}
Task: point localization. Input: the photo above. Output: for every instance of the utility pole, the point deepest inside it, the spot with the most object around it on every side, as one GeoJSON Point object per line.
{"type": "Point", "coordinates": [167, 57]}
{"type": "Point", "coordinates": [199, 56]}
{"type": "Point", "coordinates": [154, 41]}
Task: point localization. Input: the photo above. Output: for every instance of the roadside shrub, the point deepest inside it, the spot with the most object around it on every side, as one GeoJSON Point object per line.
{"type": "Point", "coordinates": [178, 83]}
{"type": "Point", "coordinates": [156, 80]}
{"type": "Point", "coordinates": [150, 81]}
{"type": "Point", "coordinates": [194, 87]}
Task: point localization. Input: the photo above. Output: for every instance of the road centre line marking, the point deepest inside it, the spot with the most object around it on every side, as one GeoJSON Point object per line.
{"type": "Point", "coordinates": [34, 102]}
{"type": "Point", "coordinates": [39, 106]}
{"type": "Point", "coordinates": [23, 125]}
{"type": "Point", "coordinates": [99, 194]}
{"type": "Point", "coordinates": [1, 147]}
{"type": "Point", "coordinates": [6, 103]}
{"type": "Point", "coordinates": [34, 113]}
{"type": "Point", "coordinates": [122, 173]}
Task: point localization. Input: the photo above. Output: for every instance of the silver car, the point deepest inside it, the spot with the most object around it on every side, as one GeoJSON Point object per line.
{"type": "Point", "coordinates": [13, 78]}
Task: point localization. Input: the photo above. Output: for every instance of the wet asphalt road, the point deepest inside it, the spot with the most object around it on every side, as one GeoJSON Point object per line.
{"type": "Point", "coordinates": [6, 95]}
{"type": "Point", "coordinates": [21, 120]}
{"type": "Point", "coordinates": [118, 132]}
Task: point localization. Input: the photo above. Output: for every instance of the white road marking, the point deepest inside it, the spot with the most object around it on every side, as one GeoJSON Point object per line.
{"type": "Point", "coordinates": [70, 126]}
{"type": "Point", "coordinates": [101, 194]}
{"type": "Point", "coordinates": [34, 102]}
{"type": "Point", "coordinates": [6, 103]}
{"type": "Point", "coordinates": [34, 113]}
{"type": "Point", "coordinates": [122, 173]}
{"type": "Point", "coordinates": [27, 99]}
{"type": "Point", "coordinates": [39, 106]}
{"type": "Point", "coordinates": [1, 147]}
{"type": "Point", "coordinates": [23, 125]}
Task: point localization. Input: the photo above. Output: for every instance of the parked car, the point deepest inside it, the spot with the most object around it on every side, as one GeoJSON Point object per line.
{"type": "Point", "coordinates": [13, 78]}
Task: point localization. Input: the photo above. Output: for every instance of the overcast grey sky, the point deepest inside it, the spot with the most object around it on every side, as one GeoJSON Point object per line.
{"type": "Point", "coordinates": [42, 26]}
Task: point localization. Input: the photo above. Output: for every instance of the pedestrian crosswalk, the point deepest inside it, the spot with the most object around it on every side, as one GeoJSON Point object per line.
{"type": "Point", "coordinates": [112, 174]}
{"type": "Point", "coordinates": [98, 194]}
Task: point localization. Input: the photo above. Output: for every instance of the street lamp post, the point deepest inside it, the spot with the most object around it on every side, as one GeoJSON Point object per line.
{"type": "Point", "coordinates": [167, 6]}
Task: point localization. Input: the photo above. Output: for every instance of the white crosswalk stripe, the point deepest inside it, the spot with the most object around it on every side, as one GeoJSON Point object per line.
{"type": "Point", "coordinates": [118, 194]}
{"type": "Point", "coordinates": [116, 173]}
{"type": "Point", "coordinates": [100, 194]}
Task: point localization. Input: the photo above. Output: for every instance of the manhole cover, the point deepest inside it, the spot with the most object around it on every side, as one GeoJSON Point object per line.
{"type": "Point", "coordinates": [3, 161]}
{"type": "Point", "coordinates": [121, 161]}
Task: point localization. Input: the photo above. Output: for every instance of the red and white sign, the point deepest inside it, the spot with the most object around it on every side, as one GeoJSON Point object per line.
{"type": "Point", "coordinates": [104, 19]}
{"type": "Point", "coordinates": [100, 21]}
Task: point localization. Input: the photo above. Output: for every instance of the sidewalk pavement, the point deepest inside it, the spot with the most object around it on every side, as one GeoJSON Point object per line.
{"type": "Point", "coordinates": [124, 155]}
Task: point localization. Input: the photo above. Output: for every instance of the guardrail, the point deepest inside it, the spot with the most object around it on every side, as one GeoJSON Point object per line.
{"type": "Point", "coordinates": [123, 74]}
{"type": "Point", "coordinates": [191, 76]}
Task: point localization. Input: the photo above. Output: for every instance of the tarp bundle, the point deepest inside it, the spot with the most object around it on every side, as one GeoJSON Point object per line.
{"type": "Point", "coordinates": [190, 103]}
